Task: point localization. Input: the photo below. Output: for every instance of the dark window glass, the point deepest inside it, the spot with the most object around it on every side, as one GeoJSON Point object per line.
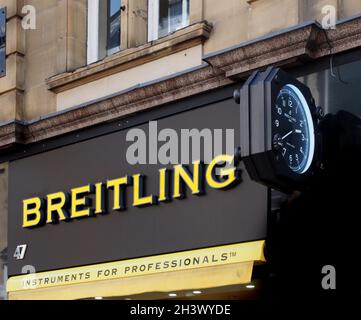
{"type": "Point", "coordinates": [113, 37]}
{"type": "Point", "coordinates": [337, 88]}
{"type": "Point", "coordinates": [173, 15]}
{"type": "Point", "coordinates": [2, 41]}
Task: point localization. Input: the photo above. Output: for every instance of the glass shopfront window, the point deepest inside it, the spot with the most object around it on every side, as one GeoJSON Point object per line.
{"type": "Point", "coordinates": [337, 87]}
{"type": "Point", "coordinates": [3, 229]}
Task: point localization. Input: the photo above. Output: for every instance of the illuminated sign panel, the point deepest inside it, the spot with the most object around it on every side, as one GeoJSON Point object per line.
{"type": "Point", "coordinates": [248, 253]}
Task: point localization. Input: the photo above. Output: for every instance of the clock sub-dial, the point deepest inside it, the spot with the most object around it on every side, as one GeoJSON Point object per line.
{"type": "Point", "coordinates": [293, 129]}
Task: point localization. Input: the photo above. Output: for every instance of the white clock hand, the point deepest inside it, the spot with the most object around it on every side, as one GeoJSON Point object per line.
{"type": "Point", "coordinates": [284, 137]}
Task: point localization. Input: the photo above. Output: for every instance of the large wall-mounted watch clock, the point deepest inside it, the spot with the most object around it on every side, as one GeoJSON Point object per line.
{"type": "Point", "coordinates": [279, 137]}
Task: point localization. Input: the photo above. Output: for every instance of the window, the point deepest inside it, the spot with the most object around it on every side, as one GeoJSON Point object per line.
{"type": "Point", "coordinates": [2, 42]}
{"type": "Point", "coordinates": [166, 16]}
{"type": "Point", "coordinates": [103, 28]}
{"type": "Point", "coordinates": [113, 31]}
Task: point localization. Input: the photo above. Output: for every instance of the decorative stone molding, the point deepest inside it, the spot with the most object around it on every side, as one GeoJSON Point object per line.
{"type": "Point", "coordinates": [284, 48]}
{"type": "Point", "coordinates": [136, 100]}
{"type": "Point", "coordinates": [287, 48]}
{"type": "Point", "coordinates": [11, 133]}
{"type": "Point", "coordinates": [345, 37]}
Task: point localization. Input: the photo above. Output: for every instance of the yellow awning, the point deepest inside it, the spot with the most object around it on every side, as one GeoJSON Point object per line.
{"type": "Point", "coordinates": [196, 269]}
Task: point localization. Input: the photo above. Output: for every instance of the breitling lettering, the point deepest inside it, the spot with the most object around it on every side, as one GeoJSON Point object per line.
{"type": "Point", "coordinates": [91, 200]}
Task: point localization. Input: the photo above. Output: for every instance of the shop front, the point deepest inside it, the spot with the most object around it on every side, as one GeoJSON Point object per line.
{"type": "Point", "coordinates": [154, 206]}
{"type": "Point", "coordinates": [159, 204]}
{"type": "Point", "coordinates": [151, 173]}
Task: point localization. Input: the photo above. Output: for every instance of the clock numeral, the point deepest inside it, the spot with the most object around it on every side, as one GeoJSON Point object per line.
{"type": "Point", "coordinates": [277, 123]}
{"type": "Point", "coordinates": [290, 103]}
{"type": "Point", "coordinates": [290, 158]}
{"type": "Point", "coordinates": [284, 151]}
{"type": "Point", "coordinates": [301, 123]}
{"type": "Point", "coordinates": [297, 159]}
{"type": "Point", "coordinates": [279, 111]}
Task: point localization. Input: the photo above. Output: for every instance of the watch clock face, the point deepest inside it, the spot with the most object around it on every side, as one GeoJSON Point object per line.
{"type": "Point", "coordinates": [293, 130]}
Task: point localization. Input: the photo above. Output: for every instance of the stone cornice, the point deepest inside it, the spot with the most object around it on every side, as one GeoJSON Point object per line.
{"type": "Point", "coordinates": [11, 134]}
{"type": "Point", "coordinates": [299, 44]}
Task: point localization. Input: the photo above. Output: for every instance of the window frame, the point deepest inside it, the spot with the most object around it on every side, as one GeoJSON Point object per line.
{"type": "Point", "coordinates": [97, 31]}
{"type": "Point", "coordinates": [92, 31]}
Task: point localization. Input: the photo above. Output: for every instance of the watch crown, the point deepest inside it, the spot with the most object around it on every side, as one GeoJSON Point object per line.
{"type": "Point", "coordinates": [237, 96]}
